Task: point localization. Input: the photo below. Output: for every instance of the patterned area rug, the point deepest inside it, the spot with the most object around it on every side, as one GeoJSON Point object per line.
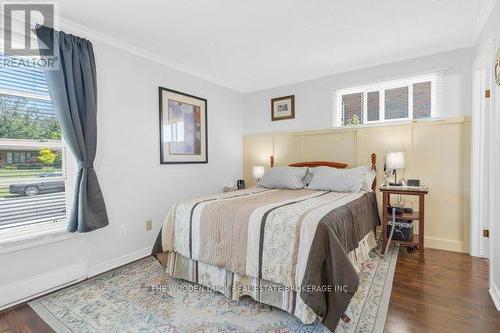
{"type": "Point", "coordinates": [128, 299]}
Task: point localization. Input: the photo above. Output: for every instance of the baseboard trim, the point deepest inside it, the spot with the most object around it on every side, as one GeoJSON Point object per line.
{"type": "Point", "coordinates": [446, 244]}
{"type": "Point", "coordinates": [440, 243]}
{"type": "Point", "coordinates": [495, 295]}
{"type": "Point", "coordinates": [117, 262]}
{"type": "Point", "coordinates": [24, 290]}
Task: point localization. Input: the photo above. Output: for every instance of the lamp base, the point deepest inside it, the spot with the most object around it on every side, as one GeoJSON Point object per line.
{"type": "Point", "coordinates": [396, 183]}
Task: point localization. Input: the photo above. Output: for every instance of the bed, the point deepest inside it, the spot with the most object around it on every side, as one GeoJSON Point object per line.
{"type": "Point", "coordinates": [297, 250]}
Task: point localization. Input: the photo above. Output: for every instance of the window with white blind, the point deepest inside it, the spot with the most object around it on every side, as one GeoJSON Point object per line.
{"type": "Point", "coordinates": [398, 100]}
{"type": "Point", "coordinates": [33, 159]}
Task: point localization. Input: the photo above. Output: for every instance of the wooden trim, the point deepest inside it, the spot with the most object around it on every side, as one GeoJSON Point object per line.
{"type": "Point", "coordinates": [402, 191]}
{"type": "Point", "coordinates": [343, 129]}
{"type": "Point", "coordinates": [313, 164]}
{"type": "Point", "coordinates": [291, 116]}
{"type": "Point", "coordinates": [374, 168]}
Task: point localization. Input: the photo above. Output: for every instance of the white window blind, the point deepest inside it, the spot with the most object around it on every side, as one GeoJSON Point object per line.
{"type": "Point", "coordinates": [353, 109]}
{"type": "Point", "coordinates": [33, 159]}
{"type": "Point", "coordinates": [417, 97]}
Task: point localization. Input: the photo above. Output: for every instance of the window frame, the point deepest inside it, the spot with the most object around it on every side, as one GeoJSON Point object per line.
{"type": "Point", "coordinates": [27, 234]}
{"type": "Point", "coordinates": [381, 87]}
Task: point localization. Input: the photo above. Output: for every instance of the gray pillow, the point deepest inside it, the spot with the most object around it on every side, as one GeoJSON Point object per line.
{"type": "Point", "coordinates": [337, 180]}
{"type": "Point", "coordinates": [284, 178]}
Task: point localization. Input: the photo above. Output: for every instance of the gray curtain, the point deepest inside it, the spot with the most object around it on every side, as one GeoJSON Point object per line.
{"type": "Point", "coordinates": [73, 90]}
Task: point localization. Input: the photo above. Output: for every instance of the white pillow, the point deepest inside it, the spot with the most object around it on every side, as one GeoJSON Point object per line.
{"type": "Point", "coordinates": [341, 180]}
{"type": "Point", "coordinates": [368, 175]}
{"type": "Point", "coordinates": [368, 180]}
{"type": "Point", "coordinates": [284, 178]}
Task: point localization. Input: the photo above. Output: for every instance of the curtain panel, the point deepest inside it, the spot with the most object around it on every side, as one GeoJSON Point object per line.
{"type": "Point", "coordinates": [73, 90]}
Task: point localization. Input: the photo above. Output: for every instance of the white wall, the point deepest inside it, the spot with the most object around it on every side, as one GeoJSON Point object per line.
{"type": "Point", "coordinates": [491, 31]}
{"type": "Point", "coordinates": [314, 100]}
{"type": "Point", "coordinates": [135, 186]}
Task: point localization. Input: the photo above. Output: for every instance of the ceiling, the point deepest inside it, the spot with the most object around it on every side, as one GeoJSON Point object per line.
{"type": "Point", "coordinates": [250, 45]}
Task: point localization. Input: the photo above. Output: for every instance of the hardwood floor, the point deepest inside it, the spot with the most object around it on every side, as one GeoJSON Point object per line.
{"type": "Point", "coordinates": [22, 319]}
{"type": "Point", "coordinates": [449, 293]}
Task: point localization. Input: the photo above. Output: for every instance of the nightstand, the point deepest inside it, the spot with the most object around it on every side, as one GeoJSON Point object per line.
{"type": "Point", "coordinates": [419, 215]}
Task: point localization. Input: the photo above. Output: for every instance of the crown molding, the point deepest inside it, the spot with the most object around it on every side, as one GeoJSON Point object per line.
{"type": "Point", "coordinates": [408, 56]}
{"type": "Point", "coordinates": [88, 33]}
{"type": "Point", "coordinates": [481, 19]}
{"type": "Point", "coordinates": [91, 34]}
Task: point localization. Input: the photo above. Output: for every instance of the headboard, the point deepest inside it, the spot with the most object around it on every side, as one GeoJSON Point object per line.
{"type": "Point", "coordinates": [337, 165]}
{"type": "Point", "coordinates": [313, 164]}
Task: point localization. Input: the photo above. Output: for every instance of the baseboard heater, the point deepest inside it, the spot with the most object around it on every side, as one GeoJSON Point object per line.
{"type": "Point", "coordinates": [17, 292]}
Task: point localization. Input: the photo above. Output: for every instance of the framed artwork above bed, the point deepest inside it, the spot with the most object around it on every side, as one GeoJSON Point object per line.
{"type": "Point", "coordinates": [283, 108]}
{"type": "Point", "coordinates": [183, 127]}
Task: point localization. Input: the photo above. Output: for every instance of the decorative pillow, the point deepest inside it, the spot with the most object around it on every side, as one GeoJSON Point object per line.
{"type": "Point", "coordinates": [339, 180]}
{"type": "Point", "coordinates": [284, 178]}
{"type": "Point", "coordinates": [308, 177]}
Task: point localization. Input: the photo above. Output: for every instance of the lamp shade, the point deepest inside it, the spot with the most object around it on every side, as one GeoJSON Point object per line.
{"type": "Point", "coordinates": [395, 161]}
{"type": "Point", "coordinates": [258, 171]}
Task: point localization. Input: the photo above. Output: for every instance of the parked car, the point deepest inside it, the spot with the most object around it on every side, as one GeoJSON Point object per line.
{"type": "Point", "coordinates": [39, 185]}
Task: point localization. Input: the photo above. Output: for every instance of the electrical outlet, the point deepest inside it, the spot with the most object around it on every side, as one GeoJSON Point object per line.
{"type": "Point", "coordinates": [123, 230]}
{"type": "Point", "coordinates": [149, 225]}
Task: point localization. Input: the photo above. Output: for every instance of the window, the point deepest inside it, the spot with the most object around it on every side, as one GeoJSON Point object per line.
{"type": "Point", "coordinates": [353, 108]}
{"type": "Point", "coordinates": [398, 100]}
{"type": "Point", "coordinates": [33, 163]}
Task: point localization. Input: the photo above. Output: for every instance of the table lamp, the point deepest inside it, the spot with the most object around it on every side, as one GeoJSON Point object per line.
{"type": "Point", "coordinates": [395, 161]}
{"type": "Point", "coordinates": [258, 172]}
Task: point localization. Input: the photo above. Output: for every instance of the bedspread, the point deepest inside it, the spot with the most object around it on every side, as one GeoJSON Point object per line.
{"type": "Point", "coordinates": [293, 238]}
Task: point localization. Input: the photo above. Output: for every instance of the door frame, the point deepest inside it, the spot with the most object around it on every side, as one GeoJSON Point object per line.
{"type": "Point", "coordinates": [483, 136]}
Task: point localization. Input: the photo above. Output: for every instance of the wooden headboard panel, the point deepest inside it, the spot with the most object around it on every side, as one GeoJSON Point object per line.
{"type": "Point", "coordinates": [337, 165]}
{"type": "Point", "coordinates": [313, 164]}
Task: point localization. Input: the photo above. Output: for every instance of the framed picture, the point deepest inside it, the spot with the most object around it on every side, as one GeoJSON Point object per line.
{"type": "Point", "coordinates": [283, 108]}
{"type": "Point", "coordinates": [183, 128]}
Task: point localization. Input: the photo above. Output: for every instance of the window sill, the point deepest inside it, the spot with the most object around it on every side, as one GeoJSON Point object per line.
{"type": "Point", "coordinates": [399, 122]}
{"type": "Point", "coordinates": [23, 237]}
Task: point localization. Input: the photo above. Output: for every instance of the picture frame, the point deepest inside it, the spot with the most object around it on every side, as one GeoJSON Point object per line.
{"type": "Point", "coordinates": [283, 108]}
{"type": "Point", "coordinates": [183, 127]}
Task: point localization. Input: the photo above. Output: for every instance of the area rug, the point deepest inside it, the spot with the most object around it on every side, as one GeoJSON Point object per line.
{"type": "Point", "coordinates": [126, 300]}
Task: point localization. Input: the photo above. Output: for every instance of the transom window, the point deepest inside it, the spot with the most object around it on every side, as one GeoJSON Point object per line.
{"type": "Point", "coordinates": [398, 100]}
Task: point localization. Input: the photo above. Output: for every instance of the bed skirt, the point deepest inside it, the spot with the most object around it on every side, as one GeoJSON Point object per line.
{"type": "Point", "coordinates": [234, 286]}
